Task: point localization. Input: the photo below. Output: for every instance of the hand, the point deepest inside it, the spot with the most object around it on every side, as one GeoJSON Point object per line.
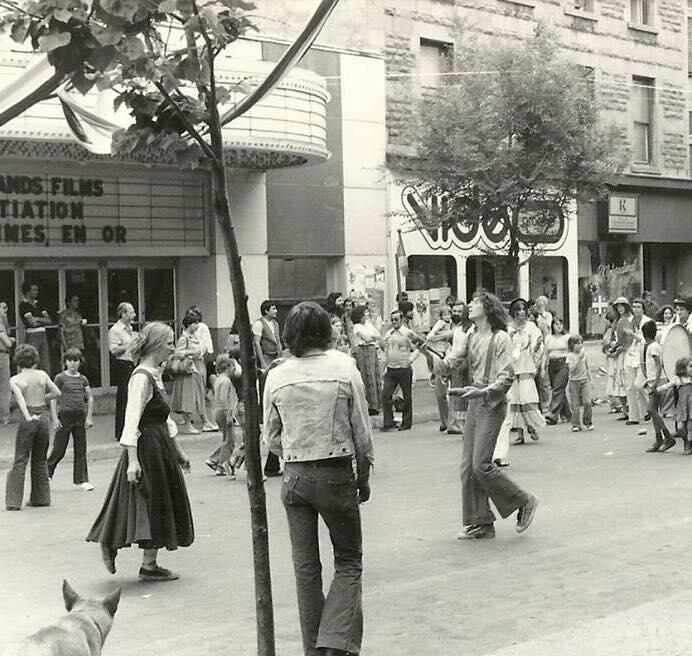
{"type": "Point", "coordinates": [57, 422]}
{"type": "Point", "coordinates": [45, 314]}
{"type": "Point", "coordinates": [13, 340]}
{"type": "Point", "coordinates": [363, 491]}
{"type": "Point", "coordinates": [134, 472]}
{"type": "Point", "coordinates": [184, 462]}
{"type": "Point", "coordinates": [88, 423]}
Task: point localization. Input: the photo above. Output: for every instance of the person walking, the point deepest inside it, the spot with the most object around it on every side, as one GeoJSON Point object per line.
{"type": "Point", "coordinates": [488, 355]}
{"type": "Point", "coordinates": [121, 341]}
{"type": "Point", "coordinates": [615, 388]}
{"type": "Point", "coordinates": [399, 343]}
{"type": "Point", "coordinates": [580, 385]}
{"type": "Point", "coordinates": [35, 319]}
{"type": "Point", "coordinates": [268, 347]}
{"type": "Point", "coordinates": [637, 400]}
{"type": "Point", "coordinates": [321, 435]}
{"type": "Point", "coordinates": [366, 348]}
{"type": "Point", "coordinates": [203, 334]}
{"type": "Point", "coordinates": [558, 373]}
{"type": "Point", "coordinates": [147, 502]}
{"type": "Point", "coordinates": [624, 334]}
{"type": "Point", "coordinates": [6, 345]}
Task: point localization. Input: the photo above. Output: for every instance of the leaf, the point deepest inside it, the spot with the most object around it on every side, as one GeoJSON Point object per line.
{"type": "Point", "coordinates": [54, 40]}
{"type": "Point", "coordinates": [20, 30]}
{"type": "Point", "coordinates": [239, 4]}
{"type": "Point", "coordinates": [82, 83]}
{"type": "Point", "coordinates": [110, 36]}
{"type": "Point", "coordinates": [62, 15]}
{"type": "Point", "coordinates": [168, 6]}
{"type": "Point", "coordinates": [223, 95]}
{"type": "Point", "coordinates": [131, 48]}
{"type": "Point", "coordinates": [102, 58]}
{"type": "Point", "coordinates": [190, 157]}
{"type": "Point", "coordinates": [124, 8]}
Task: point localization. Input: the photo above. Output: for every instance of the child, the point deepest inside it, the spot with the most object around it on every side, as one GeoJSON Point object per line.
{"type": "Point", "coordinates": [31, 387]}
{"type": "Point", "coordinates": [440, 337]}
{"type": "Point", "coordinates": [653, 372]}
{"type": "Point", "coordinates": [74, 416]}
{"type": "Point", "coordinates": [579, 383]}
{"type": "Point", "coordinates": [682, 382]}
{"type": "Point", "coordinates": [226, 407]}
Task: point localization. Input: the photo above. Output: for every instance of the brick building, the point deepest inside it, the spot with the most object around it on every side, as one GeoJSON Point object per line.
{"type": "Point", "coordinates": [639, 238]}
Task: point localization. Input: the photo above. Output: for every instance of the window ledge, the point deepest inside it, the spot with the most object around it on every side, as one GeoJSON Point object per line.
{"type": "Point", "coordinates": [640, 168]}
{"type": "Point", "coordinates": [523, 3]}
{"type": "Point", "coordinates": [642, 28]}
{"type": "Point", "coordinates": [579, 13]}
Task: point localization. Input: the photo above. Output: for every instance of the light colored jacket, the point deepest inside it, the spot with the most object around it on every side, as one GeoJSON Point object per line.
{"type": "Point", "coordinates": [315, 408]}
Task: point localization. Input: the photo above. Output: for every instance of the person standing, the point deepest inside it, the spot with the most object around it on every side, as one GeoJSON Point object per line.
{"type": "Point", "coordinates": [440, 338]}
{"type": "Point", "coordinates": [121, 342]}
{"type": "Point", "coordinates": [652, 365]}
{"type": "Point", "coordinates": [147, 502]}
{"type": "Point", "coordinates": [203, 335]}
{"type": "Point", "coordinates": [399, 343]}
{"type": "Point", "coordinates": [6, 344]}
{"type": "Point", "coordinates": [650, 305]}
{"type": "Point", "coordinates": [458, 375]}
{"type": "Point", "coordinates": [624, 334]}
{"type": "Point", "coordinates": [366, 345]}
{"type": "Point", "coordinates": [70, 323]}
{"type": "Point", "coordinates": [579, 384]}
{"type": "Point", "coordinates": [683, 307]}
{"type": "Point", "coordinates": [666, 316]}
{"type": "Point", "coordinates": [617, 393]}
{"type": "Point", "coordinates": [637, 400]}
{"type": "Point", "coordinates": [268, 347]}
{"type": "Point", "coordinates": [488, 353]}
{"type": "Point", "coordinates": [558, 373]}
{"type": "Point", "coordinates": [35, 319]}
{"type": "Point", "coordinates": [320, 434]}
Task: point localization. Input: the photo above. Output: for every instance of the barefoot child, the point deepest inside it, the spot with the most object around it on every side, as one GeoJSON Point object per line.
{"type": "Point", "coordinates": [682, 383]}
{"type": "Point", "coordinates": [225, 409]}
{"type": "Point", "coordinates": [32, 388]}
{"type": "Point", "coordinates": [579, 383]}
{"type": "Point", "coordinates": [72, 415]}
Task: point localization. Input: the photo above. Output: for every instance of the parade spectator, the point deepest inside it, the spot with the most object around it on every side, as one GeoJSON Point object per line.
{"type": "Point", "coordinates": [319, 434]}
{"type": "Point", "coordinates": [70, 323]}
{"type": "Point", "coordinates": [624, 334]}
{"type": "Point", "coordinates": [35, 319]}
{"type": "Point", "coordinates": [6, 345]}
{"type": "Point", "coordinates": [558, 373]}
{"type": "Point", "coordinates": [188, 397]}
{"type": "Point", "coordinates": [580, 385]}
{"type": "Point", "coordinates": [544, 318]}
{"type": "Point", "coordinates": [366, 346]}
{"type": "Point", "coordinates": [335, 308]}
{"type": "Point", "coordinates": [32, 389]}
{"type": "Point", "coordinates": [121, 341]}
{"type": "Point", "coordinates": [268, 347]}
{"type": "Point", "coordinates": [527, 353]}
{"type": "Point", "coordinates": [203, 334]}
{"type": "Point", "coordinates": [399, 343]}
{"type": "Point", "coordinates": [637, 400]}
{"type": "Point", "coordinates": [666, 320]}
{"type": "Point", "coordinates": [655, 377]}
{"type": "Point", "coordinates": [458, 374]}
{"type": "Point", "coordinates": [683, 307]}
{"type": "Point", "coordinates": [487, 351]}
{"type": "Point", "coordinates": [650, 306]}
{"type": "Point", "coordinates": [72, 414]}
{"type": "Point", "coordinates": [681, 382]}
{"type": "Point", "coordinates": [615, 388]}
{"type": "Point", "coordinates": [147, 502]}
{"type": "Point", "coordinates": [406, 308]}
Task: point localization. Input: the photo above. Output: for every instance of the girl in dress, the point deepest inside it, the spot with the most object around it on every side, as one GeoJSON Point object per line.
{"type": "Point", "coordinates": [682, 384]}
{"type": "Point", "coordinates": [188, 396]}
{"type": "Point", "coordinates": [366, 344]}
{"type": "Point", "coordinates": [617, 393]}
{"type": "Point", "coordinates": [147, 503]}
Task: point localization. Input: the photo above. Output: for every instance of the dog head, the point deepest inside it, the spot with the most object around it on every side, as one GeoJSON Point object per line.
{"type": "Point", "coordinates": [100, 612]}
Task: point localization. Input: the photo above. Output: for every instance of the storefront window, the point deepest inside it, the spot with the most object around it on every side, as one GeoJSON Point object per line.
{"type": "Point", "coordinates": [548, 277]}
{"type": "Point", "coordinates": [7, 294]}
{"type": "Point", "coordinates": [49, 298]}
{"type": "Point", "coordinates": [431, 272]}
{"type": "Point", "coordinates": [122, 287]}
{"type": "Point", "coordinates": [496, 274]}
{"type": "Point", "coordinates": [84, 284]}
{"type": "Point", "coordinates": [159, 296]}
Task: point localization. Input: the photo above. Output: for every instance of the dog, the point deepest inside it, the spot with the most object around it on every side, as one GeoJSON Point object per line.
{"type": "Point", "coordinates": [81, 632]}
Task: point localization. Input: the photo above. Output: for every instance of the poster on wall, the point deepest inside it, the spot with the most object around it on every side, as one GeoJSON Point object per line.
{"type": "Point", "coordinates": [366, 284]}
{"type": "Point", "coordinates": [421, 310]}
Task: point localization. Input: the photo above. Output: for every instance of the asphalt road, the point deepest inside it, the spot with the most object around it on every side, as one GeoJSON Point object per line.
{"type": "Point", "coordinates": [604, 569]}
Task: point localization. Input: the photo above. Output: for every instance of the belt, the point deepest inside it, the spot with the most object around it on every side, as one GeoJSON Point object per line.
{"type": "Point", "coordinates": [343, 461]}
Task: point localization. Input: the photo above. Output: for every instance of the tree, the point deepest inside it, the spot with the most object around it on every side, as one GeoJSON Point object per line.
{"type": "Point", "coordinates": [159, 56]}
{"type": "Point", "coordinates": [510, 143]}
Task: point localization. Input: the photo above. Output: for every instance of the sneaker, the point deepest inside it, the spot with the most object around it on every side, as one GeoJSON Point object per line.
{"type": "Point", "coordinates": [86, 486]}
{"type": "Point", "coordinates": [229, 471]}
{"type": "Point", "coordinates": [526, 513]}
{"type": "Point", "coordinates": [477, 532]}
{"type": "Point", "coordinates": [668, 443]}
{"type": "Point", "coordinates": [108, 555]}
{"type": "Point", "coordinates": [631, 422]}
{"type": "Point", "coordinates": [442, 428]}
{"type": "Point", "coordinates": [210, 428]}
{"type": "Point", "coordinates": [212, 464]}
{"type": "Point", "coordinates": [588, 427]}
{"type": "Point", "coordinates": [576, 429]}
{"type": "Point", "coordinates": [156, 574]}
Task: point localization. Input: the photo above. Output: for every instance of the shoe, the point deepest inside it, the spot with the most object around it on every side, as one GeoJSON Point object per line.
{"type": "Point", "coordinates": [551, 421]}
{"type": "Point", "coordinates": [526, 514]}
{"type": "Point", "coordinates": [588, 427]}
{"type": "Point", "coordinates": [477, 532]}
{"type": "Point", "coordinates": [85, 487]}
{"type": "Point", "coordinates": [656, 446]}
{"type": "Point", "coordinates": [668, 443]}
{"type": "Point", "coordinates": [647, 417]}
{"type": "Point", "coordinates": [220, 471]}
{"type": "Point", "coordinates": [229, 471]}
{"type": "Point", "coordinates": [641, 431]}
{"type": "Point", "coordinates": [517, 441]}
{"type": "Point", "coordinates": [404, 428]}
{"type": "Point", "coordinates": [576, 429]}
{"type": "Point", "coordinates": [389, 427]}
{"type": "Point", "coordinates": [156, 574]}
{"type": "Point", "coordinates": [623, 418]}
{"type": "Point", "coordinates": [442, 428]}
{"type": "Point", "coordinates": [687, 450]}
{"type": "Point", "coordinates": [108, 554]}
{"type": "Point", "coordinates": [210, 428]}
{"type": "Point", "coordinates": [534, 435]}
{"type": "Point", "coordinates": [614, 411]}
{"type": "Point", "coordinates": [211, 464]}
{"type": "Point", "coordinates": [631, 422]}
{"type": "Point", "coordinates": [13, 508]}
{"type": "Point", "coordinates": [454, 430]}
{"type": "Point", "coordinates": [500, 462]}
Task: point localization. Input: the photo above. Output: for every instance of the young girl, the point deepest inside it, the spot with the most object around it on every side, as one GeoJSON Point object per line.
{"type": "Point", "coordinates": [73, 416]}
{"type": "Point", "coordinates": [682, 382]}
{"type": "Point", "coordinates": [440, 337]}
{"type": "Point", "coordinates": [226, 407]}
{"type": "Point", "coordinates": [31, 387]}
{"type": "Point", "coordinates": [579, 383]}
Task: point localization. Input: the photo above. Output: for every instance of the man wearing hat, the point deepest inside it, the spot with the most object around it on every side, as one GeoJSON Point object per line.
{"type": "Point", "coordinates": [683, 307]}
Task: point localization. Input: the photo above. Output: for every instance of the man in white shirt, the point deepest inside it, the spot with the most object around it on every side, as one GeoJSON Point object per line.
{"type": "Point", "coordinates": [637, 399]}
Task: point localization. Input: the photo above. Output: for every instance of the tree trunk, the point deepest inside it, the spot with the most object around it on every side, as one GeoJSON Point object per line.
{"type": "Point", "coordinates": [253, 462]}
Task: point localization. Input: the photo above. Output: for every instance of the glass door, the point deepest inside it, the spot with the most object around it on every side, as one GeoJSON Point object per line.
{"type": "Point", "coordinates": [49, 298]}
{"type": "Point", "coordinates": [80, 321]}
{"type": "Point", "coordinates": [123, 287]}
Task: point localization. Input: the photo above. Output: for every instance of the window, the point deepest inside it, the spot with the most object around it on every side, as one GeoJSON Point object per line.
{"type": "Point", "coordinates": [643, 104]}
{"type": "Point", "coordinates": [583, 5]}
{"type": "Point", "coordinates": [642, 12]}
{"type": "Point", "coordinates": [433, 60]}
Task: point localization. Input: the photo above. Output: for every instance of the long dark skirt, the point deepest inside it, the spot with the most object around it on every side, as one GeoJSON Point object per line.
{"type": "Point", "coordinates": [155, 513]}
{"type": "Point", "coordinates": [558, 373]}
{"type": "Point", "coordinates": [369, 367]}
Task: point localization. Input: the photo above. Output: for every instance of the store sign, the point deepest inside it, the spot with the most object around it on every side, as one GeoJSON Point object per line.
{"type": "Point", "coordinates": [623, 214]}
{"type": "Point", "coordinates": [82, 211]}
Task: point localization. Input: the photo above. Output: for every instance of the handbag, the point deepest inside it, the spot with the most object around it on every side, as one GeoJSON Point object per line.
{"type": "Point", "coordinates": [179, 365]}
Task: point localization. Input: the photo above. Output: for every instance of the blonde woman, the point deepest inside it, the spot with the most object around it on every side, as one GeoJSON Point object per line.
{"type": "Point", "coordinates": [147, 502]}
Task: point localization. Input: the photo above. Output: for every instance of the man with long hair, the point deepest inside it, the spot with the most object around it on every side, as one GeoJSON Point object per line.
{"type": "Point", "coordinates": [488, 355]}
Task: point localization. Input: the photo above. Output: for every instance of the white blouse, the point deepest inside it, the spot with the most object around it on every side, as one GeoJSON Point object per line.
{"type": "Point", "coordinates": [139, 393]}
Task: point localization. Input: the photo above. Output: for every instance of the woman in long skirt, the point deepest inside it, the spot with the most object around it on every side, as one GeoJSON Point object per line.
{"type": "Point", "coordinates": [188, 397]}
{"type": "Point", "coordinates": [527, 342]}
{"type": "Point", "coordinates": [365, 343]}
{"type": "Point", "coordinates": [558, 372]}
{"type": "Point", "coordinates": [147, 503]}
{"type": "Point", "coordinates": [615, 386]}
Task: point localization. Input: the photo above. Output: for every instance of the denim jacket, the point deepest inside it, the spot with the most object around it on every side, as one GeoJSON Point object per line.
{"type": "Point", "coordinates": [315, 408]}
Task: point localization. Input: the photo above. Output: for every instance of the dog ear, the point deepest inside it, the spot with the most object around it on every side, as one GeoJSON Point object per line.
{"type": "Point", "coordinates": [110, 603]}
{"type": "Point", "coordinates": [69, 595]}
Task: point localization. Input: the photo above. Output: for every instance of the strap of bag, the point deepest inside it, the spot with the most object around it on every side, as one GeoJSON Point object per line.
{"type": "Point", "coordinates": [489, 358]}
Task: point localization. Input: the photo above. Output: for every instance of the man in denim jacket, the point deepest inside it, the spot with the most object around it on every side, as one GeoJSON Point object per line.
{"type": "Point", "coordinates": [316, 418]}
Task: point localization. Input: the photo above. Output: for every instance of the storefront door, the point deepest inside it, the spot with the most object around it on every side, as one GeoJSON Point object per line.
{"type": "Point", "coordinates": [49, 299]}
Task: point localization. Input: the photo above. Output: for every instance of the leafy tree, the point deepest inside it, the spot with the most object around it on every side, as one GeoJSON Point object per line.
{"type": "Point", "coordinates": [160, 58]}
{"type": "Point", "coordinates": [510, 143]}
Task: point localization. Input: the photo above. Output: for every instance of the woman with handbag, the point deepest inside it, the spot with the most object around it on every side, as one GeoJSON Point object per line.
{"type": "Point", "coordinates": [186, 365]}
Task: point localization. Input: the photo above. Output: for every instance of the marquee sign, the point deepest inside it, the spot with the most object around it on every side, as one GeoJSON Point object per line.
{"type": "Point", "coordinates": [491, 233]}
{"type": "Point", "coordinates": [39, 211]}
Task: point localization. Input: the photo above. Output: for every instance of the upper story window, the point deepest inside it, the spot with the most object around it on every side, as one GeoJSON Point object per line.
{"type": "Point", "coordinates": [643, 119]}
{"type": "Point", "coordinates": [434, 59]}
{"type": "Point", "coordinates": [642, 12]}
{"type": "Point", "coordinates": [583, 5]}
